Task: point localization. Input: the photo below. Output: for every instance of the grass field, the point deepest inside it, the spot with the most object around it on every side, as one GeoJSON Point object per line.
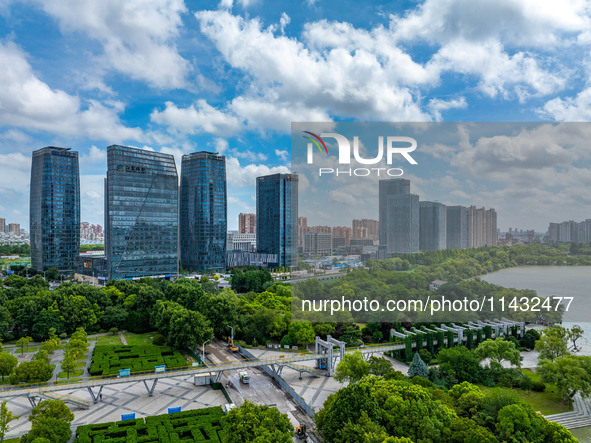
{"type": "Point", "coordinates": [73, 374]}
{"type": "Point", "coordinates": [139, 339]}
{"type": "Point", "coordinates": [547, 402]}
{"type": "Point", "coordinates": [108, 340]}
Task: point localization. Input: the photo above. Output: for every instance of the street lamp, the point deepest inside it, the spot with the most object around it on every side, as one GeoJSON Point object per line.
{"type": "Point", "coordinates": [231, 327]}
{"type": "Point", "coordinates": [203, 351]}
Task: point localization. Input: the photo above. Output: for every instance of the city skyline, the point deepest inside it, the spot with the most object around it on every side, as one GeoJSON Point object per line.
{"type": "Point", "coordinates": [213, 76]}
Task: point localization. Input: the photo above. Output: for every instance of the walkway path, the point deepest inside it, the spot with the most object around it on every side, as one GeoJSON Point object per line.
{"type": "Point", "coordinates": [579, 417]}
{"type": "Point", "coordinates": [122, 337]}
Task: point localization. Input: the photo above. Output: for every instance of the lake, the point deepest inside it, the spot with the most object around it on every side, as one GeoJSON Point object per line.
{"type": "Point", "coordinates": [567, 281]}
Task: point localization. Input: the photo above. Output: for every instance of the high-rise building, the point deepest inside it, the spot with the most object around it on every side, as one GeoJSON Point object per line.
{"type": "Point", "coordinates": [203, 214]}
{"type": "Point", "coordinates": [247, 223]}
{"type": "Point", "coordinates": [2, 225]}
{"type": "Point", "coordinates": [141, 213]}
{"type": "Point", "coordinates": [457, 228]}
{"type": "Point", "coordinates": [366, 228]}
{"type": "Point", "coordinates": [277, 217]}
{"type": "Point", "coordinates": [432, 226]}
{"type": "Point", "coordinates": [54, 209]}
{"type": "Point", "coordinates": [317, 243]}
{"type": "Point", "coordinates": [482, 227]}
{"type": "Point", "coordinates": [302, 229]}
{"type": "Point", "coordinates": [344, 232]}
{"type": "Point", "coordinates": [14, 228]}
{"type": "Point", "coordinates": [399, 216]}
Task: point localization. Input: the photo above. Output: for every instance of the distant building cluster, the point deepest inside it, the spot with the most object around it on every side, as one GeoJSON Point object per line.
{"type": "Point", "coordinates": [408, 225]}
{"type": "Point", "coordinates": [570, 231]}
{"type": "Point", "coordinates": [91, 233]}
{"type": "Point", "coordinates": [12, 232]}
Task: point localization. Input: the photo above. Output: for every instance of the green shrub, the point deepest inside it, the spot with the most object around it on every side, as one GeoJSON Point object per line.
{"type": "Point", "coordinates": [538, 386]}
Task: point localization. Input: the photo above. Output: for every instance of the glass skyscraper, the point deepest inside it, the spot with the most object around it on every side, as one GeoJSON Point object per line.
{"type": "Point", "coordinates": [277, 217]}
{"type": "Point", "coordinates": [399, 216]}
{"type": "Point", "coordinates": [432, 226]}
{"type": "Point", "coordinates": [457, 227]}
{"type": "Point", "coordinates": [203, 214]}
{"type": "Point", "coordinates": [55, 209]}
{"type": "Point", "coordinates": [141, 213]}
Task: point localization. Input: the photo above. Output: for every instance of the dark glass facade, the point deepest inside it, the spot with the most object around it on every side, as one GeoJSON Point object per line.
{"type": "Point", "coordinates": [432, 226]}
{"type": "Point", "coordinates": [399, 216]}
{"type": "Point", "coordinates": [457, 227]}
{"type": "Point", "coordinates": [277, 217]}
{"type": "Point", "coordinates": [55, 209]}
{"type": "Point", "coordinates": [141, 213]}
{"type": "Point", "coordinates": [203, 213]}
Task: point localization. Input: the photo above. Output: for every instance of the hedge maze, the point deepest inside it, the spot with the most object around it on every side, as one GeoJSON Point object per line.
{"type": "Point", "coordinates": [198, 425]}
{"type": "Point", "coordinates": [108, 360]}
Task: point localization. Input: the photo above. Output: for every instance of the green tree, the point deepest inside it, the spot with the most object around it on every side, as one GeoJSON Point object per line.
{"type": "Point", "coordinates": [115, 317]}
{"type": "Point", "coordinates": [7, 364]}
{"type": "Point", "coordinates": [188, 329]}
{"type": "Point", "coordinates": [418, 368]}
{"type": "Point", "coordinates": [497, 351]}
{"type": "Point", "coordinates": [31, 372]}
{"type": "Point", "coordinates": [552, 343]}
{"type": "Point", "coordinates": [460, 364]}
{"type": "Point", "coordinates": [6, 417]}
{"type": "Point", "coordinates": [50, 420]}
{"type": "Point", "coordinates": [575, 333]}
{"type": "Point", "coordinates": [69, 362]}
{"type": "Point", "coordinates": [257, 423]}
{"type": "Point", "coordinates": [45, 321]}
{"type": "Point", "coordinates": [352, 368]}
{"type": "Point", "coordinates": [52, 408]}
{"type": "Point", "coordinates": [301, 333]}
{"type": "Point", "coordinates": [570, 374]}
{"type": "Point", "coordinates": [380, 366]}
{"type": "Point", "coordinates": [23, 343]}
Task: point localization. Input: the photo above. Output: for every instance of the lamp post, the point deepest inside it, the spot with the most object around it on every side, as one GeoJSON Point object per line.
{"type": "Point", "coordinates": [231, 327]}
{"type": "Point", "coordinates": [203, 351]}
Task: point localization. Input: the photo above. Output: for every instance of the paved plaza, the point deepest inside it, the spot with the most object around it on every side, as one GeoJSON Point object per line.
{"type": "Point", "coordinates": [126, 397]}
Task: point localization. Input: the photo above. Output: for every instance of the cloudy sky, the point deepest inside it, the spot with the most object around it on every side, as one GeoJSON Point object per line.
{"type": "Point", "coordinates": [179, 77]}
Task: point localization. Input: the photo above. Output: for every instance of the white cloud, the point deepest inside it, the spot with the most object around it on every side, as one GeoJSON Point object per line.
{"type": "Point", "coordinates": [282, 154]}
{"type": "Point", "coordinates": [436, 106]}
{"type": "Point", "coordinates": [573, 109]}
{"type": "Point", "coordinates": [293, 81]}
{"type": "Point", "coordinates": [200, 117]}
{"type": "Point", "coordinates": [242, 176]}
{"type": "Point", "coordinates": [137, 36]}
{"type": "Point", "coordinates": [284, 21]}
{"type": "Point", "coordinates": [515, 22]}
{"type": "Point", "coordinates": [30, 103]}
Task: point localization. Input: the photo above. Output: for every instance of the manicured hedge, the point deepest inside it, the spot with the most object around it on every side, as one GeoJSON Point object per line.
{"type": "Point", "coordinates": [108, 360]}
{"type": "Point", "coordinates": [198, 425]}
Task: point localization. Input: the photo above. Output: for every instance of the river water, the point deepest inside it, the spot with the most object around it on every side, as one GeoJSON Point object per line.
{"type": "Point", "coordinates": [566, 281]}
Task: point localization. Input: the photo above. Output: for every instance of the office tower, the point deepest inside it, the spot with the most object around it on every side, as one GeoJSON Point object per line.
{"type": "Point", "coordinates": [14, 228]}
{"type": "Point", "coordinates": [141, 213]}
{"type": "Point", "coordinates": [490, 227]}
{"type": "Point", "coordinates": [457, 227]}
{"type": "Point", "coordinates": [302, 229]}
{"type": "Point", "coordinates": [366, 228]}
{"type": "Point", "coordinates": [399, 216]}
{"type": "Point", "coordinates": [54, 209]}
{"type": "Point", "coordinates": [2, 225]}
{"type": "Point", "coordinates": [432, 226]}
{"type": "Point", "coordinates": [203, 215]}
{"type": "Point", "coordinates": [277, 217]}
{"type": "Point", "coordinates": [247, 223]}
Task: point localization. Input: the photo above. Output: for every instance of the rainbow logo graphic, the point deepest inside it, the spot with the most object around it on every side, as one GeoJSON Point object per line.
{"type": "Point", "coordinates": [316, 142]}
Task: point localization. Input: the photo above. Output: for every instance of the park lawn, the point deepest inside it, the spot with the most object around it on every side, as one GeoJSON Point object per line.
{"type": "Point", "coordinates": [12, 440]}
{"type": "Point", "coordinates": [80, 364]}
{"type": "Point", "coordinates": [139, 339]}
{"type": "Point", "coordinates": [109, 340]}
{"type": "Point", "coordinates": [75, 373]}
{"type": "Point", "coordinates": [547, 402]}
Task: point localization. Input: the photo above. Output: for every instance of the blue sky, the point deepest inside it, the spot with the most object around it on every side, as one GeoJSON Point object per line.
{"type": "Point", "coordinates": [180, 77]}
